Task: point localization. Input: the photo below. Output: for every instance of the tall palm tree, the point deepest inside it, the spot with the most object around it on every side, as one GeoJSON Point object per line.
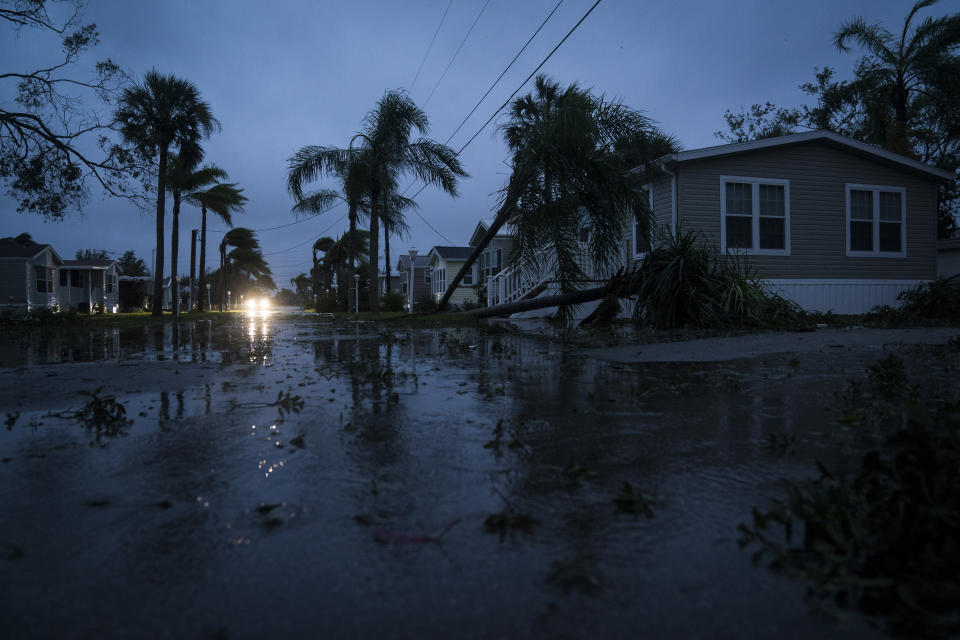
{"type": "Point", "coordinates": [224, 199]}
{"type": "Point", "coordinates": [571, 152]}
{"type": "Point", "coordinates": [323, 244]}
{"type": "Point", "coordinates": [924, 63]}
{"type": "Point", "coordinates": [163, 111]}
{"type": "Point", "coordinates": [184, 178]}
{"type": "Point", "coordinates": [388, 152]}
{"type": "Point", "coordinates": [384, 151]}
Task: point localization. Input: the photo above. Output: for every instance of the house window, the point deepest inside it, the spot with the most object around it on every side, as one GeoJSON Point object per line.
{"type": "Point", "coordinates": [404, 275]}
{"type": "Point", "coordinates": [76, 279]}
{"type": "Point", "coordinates": [440, 284]}
{"type": "Point", "coordinates": [110, 282]}
{"type": "Point", "coordinates": [641, 226]}
{"type": "Point", "coordinates": [755, 215]}
{"type": "Point", "coordinates": [467, 278]}
{"type": "Point", "coordinates": [64, 275]}
{"type": "Point", "coordinates": [427, 276]}
{"type": "Point", "coordinates": [44, 279]}
{"type": "Point", "coordinates": [876, 221]}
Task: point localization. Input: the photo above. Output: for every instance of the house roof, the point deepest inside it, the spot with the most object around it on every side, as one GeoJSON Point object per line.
{"type": "Point", "coordinates": [506, 231]}
{"type": "Point", "coordinates": [418, 263]}
{"type": "Point", "coordinates": [18, 250]}
{"type": "Point", "coordinates": [452, 253]}
{"type": "Point", "coordinates": [87, 264]}
{"type": "Point", "coordinates": [833, 139]}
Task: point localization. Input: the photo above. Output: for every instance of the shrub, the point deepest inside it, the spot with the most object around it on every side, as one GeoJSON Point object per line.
{"type": "Point", "coordinates": [426, 304]}
{"type": "Point", "coordinates": [391, 301]}
{"type": "Point", "coordinates": [684, 282]}
{"type": "Point", "coordinates": [936, 300]}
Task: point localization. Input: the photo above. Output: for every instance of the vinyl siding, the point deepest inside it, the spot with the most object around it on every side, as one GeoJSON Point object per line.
{"type": "Point", "coordinates": [662, 214]}
{"type": "Point", "coordinates": [818, 174]}
{"type": "Point", "coordinates": [13, 288]}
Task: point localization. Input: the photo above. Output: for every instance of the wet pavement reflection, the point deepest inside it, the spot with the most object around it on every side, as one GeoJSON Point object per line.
{"type": "Point", "coordinates": [288, 475]}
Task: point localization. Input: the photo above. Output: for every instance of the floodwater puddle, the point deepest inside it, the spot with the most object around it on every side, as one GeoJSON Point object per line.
{"type": "Point", "coordinates": [416, 480]}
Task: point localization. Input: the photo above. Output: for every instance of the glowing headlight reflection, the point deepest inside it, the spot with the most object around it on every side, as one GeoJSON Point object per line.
{"type": "Point", "coordinates": [257, 305]}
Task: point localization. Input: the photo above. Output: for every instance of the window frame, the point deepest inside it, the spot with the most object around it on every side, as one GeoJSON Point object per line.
{"type": "Point", "coordinates": [876, 190]}
{"type": "Point", "coordinates": [755, 183]}
{"type": "Point", "coordinates": [46, 276]}
{"type": "Point", "coordinates": [638, 255]}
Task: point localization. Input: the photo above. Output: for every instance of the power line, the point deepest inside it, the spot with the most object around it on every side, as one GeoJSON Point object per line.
{"type": "Point", "coordinates": [457, 52]}
{"type": "Point", "coordinates": [338, 221]}
{"type": "Point", "coordinates": [500, 77]}
{"type": "Point", "coordinates": [442, 18]}
{"type": "Point", "coordinates": [289, 224]}
{"type": "Point", "coordinates": [516, 91]}
{"type": "Point", "coordinates": [532, 73]}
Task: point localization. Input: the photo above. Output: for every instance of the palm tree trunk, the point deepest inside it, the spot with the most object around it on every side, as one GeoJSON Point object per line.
{"type": "Point", "coordinates": [203, 256]}
{"type": "Point", "coordinates": [561, 300]}
{"type": "Point", "coordinates": [373, 270]}
{"type": "Point", "coordinates": [386, 252]}
{"type": "Point", "coordinates": [223, 275]}
{"type": "Point", "coordinates": [353, 232]}
{"type": "Point", "coordinates": [158, 262]}
{"type": "Point", "coordinates": [174, 250]}
{"type": "Point", "coordinates": [316, 287]}
{"type": "Point", "coordinates": [487, 238]}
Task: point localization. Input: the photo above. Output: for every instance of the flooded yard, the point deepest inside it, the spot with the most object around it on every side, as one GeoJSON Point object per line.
{"type": "Point", "coordinates": [283, 475]}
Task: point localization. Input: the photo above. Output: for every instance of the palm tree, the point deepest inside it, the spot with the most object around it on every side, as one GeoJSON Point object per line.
{"type": "Point", "coordinates": [384, 152]}
{"type": "Point", "coordinates": [922, 64]}
{"type": "Point", "coordinates": [311, 162]}
{"type": "Point", "coordinates": [223, 199]}
{"type": "Point", "coordinates": [337, 260]}
{"type": "Point", "coordinates": [183, 179]}
{"type": "Point", "coordinates": [394, 222]}
{"type": "Point", "coordinates": [300, 286]}
{"type": "Point", "coordinates": [571, 154]}
{"type": "Point", "coordinates": [245, 259]}
{"type": "Point", "coordinates": [163, 111]}
{"type": "Point", "coordinates": [322, 244]}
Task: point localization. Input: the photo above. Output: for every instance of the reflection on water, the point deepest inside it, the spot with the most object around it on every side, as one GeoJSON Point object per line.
{"type": "Point", "coordinates": [179, 341]}
{"type": "Point", "coordinates": [403, 432]}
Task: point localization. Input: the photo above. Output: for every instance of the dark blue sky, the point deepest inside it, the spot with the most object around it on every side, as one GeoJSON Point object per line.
{"type": "Point", "coordinates": [280, 75]}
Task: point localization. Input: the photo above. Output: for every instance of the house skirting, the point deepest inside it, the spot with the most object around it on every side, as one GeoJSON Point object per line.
{"type": "Point", "coordinates": [842, 296]}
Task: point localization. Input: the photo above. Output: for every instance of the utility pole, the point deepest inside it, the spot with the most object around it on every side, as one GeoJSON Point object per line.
{"type": "Point", "coordinates": [193, 263]}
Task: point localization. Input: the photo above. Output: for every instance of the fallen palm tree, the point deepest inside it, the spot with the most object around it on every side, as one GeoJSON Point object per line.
{"type": "Point", "coordinates": [681, 282]}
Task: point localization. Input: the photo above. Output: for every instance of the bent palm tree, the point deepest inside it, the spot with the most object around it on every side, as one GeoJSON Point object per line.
{"type": "Point", "coordinates": [394, 222]}
{"type": "Point", "coordinates": [322, 244]}
{"type": "Point", "coordinates": [223, 199]}
{"type": "Point", "coordinates": [183, 178]}
{"type": "Point", "coordinates": [163, 111]}
{"type": "Point", "coordinates": [244, 259]}
{"type": "Point", "coordinates": [923, 63]}
{"type": "Point", "coordinates": [311, 162]}
{"type": "Point", "coordinates": [571, 154]}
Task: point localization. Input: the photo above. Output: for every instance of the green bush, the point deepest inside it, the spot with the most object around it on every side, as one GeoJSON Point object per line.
{"type": "Point", "coordinates": [684, 282]}
{"type": "Point", "coordinates": [936, 300]}
{"type": "Point", "coordinates": [391, 301]}
{"type": "Point", "coordinates": [426, 304]}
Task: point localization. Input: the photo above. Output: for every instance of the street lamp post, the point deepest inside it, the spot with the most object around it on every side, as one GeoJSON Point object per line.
{"type": "Point", "coordinates": [208, 296]}
{"type": "Point", "coordinates": [356, 285]}
{"type": "Point", "coordinates": [413, 256]}
{"type": "Point", "coordinates": [228, 300]}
